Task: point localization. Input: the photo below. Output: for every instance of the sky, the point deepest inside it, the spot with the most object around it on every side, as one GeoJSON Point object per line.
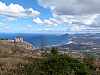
{"type": "Point", "coordinates": [50, 16]}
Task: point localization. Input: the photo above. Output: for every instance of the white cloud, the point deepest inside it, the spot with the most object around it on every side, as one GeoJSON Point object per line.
{"type": "Point", "coordinates": [67, 19]}
{"type": "Point", "coordinates": [77, 15]}
{"type": "Point", "coordinates": [33, 12]}
{"type": "Point", "coordinates": [37, 21]}
{"type": "Point", "coordinates": [16, 10]}
{"type": "Point", "coordinates": [9, 19]}
{"type": "Point", "coordinates": [73, 23]}
{"type": "Point", "coordinates": [75, 7]}
{"type": "Point", "coordinates": [48, 22]}
{"type": "Point", "coordinates": [75, 28]}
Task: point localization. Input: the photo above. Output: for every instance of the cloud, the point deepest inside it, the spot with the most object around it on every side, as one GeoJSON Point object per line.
{"type": "Point", "coordinates": [77, 15]}
{"type": "Point", "coordinates": [65, 19]}
{"type": "Point", "coordinates": [37, 21]}
{"type": "Point", "coordinates": [48, 22]}
{"type": "Point", "coordinates": [16, 10]}
{"type": "Point", "coordinates": [72, 7]}
{"type": "Point", "coordinates": [72, 23]}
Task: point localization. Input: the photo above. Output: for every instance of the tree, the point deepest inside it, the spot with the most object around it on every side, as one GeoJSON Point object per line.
{"type": "Point", "coordinates": [54, 51]}
{"type": "Point", "coordinates": [57, 64]}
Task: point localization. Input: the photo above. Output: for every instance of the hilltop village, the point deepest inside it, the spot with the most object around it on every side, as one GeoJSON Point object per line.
{"type": "Point", "coordinates": [18, 47]}
{"type": "Point", "coordinates": [19, 41]}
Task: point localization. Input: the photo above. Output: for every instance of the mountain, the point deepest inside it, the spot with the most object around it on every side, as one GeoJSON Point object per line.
{"type": "Point", "coordinates": [83, 42]}
{"type": "Point", "coordinates": [90, 39]}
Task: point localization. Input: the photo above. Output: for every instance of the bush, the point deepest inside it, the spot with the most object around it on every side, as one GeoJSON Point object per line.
{"type": "Point", "coordinates": [57, 64]}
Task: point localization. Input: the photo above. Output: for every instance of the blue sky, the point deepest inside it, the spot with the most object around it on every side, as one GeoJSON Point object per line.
{"type": "Point", "coordinates": [49, 16]}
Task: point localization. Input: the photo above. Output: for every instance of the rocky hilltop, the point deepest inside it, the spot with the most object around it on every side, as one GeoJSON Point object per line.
{"type": "Point", "coordinates": [13, 55]}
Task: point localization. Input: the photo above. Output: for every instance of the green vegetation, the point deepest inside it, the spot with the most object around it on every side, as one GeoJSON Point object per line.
{"type": "Point", "coordinates": [3, 39]}
{"type": "Point", "coordinates": [57, 64]}
{"type": "Point", "coordinates": [14, 62]}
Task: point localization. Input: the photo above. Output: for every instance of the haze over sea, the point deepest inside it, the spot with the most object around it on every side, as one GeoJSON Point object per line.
{"type": "Point", "coordinates": [38, 39]}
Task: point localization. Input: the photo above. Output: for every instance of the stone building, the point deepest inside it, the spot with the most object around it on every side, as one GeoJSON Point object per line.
{"type": "Point", "coordinates": [19, 39]}
{"type": "Point", "coordinates": [27, 45]}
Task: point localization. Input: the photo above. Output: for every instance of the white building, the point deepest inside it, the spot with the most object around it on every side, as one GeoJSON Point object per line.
{"type": "Point", "coordinates": [19, 40]}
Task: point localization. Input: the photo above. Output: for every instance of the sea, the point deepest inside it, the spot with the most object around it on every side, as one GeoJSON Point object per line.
{"type": "Point", "coordinates": [38, 40]}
